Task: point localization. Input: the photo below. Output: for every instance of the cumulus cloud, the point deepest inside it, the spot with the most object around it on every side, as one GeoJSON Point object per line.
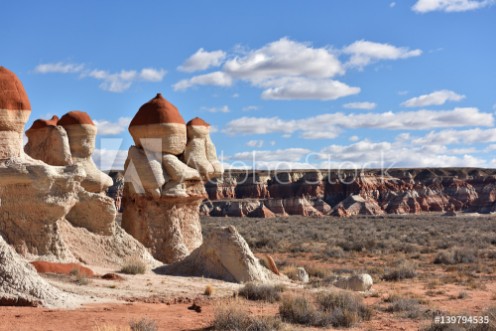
{"type": "Point", "coordinates": [284, 58]}
{"type": "Point", "coordinates": [223, 109]}
{"type": "Point", "coordinates": [280, 155]}
{"type": "Point", "coordinates": [203, 60]}
{"type": "Point", "coordinates": [152, 75]}
{"type": "Point", "coordinates": [435, 98]}
{"type": "Point", "coordinates": [59, 68]}
{"type": "Point", "coordinates": [216, 78]}
{"type": "Point", "coordinates": [106, 127]}
{"type": "Point", "coordinates": [360, 105]}
{"type": "Point", "coordinates": [121, 81]}
{"type": "Point", "coordinates": [290, 88]}
{"type": "Point", "coordinates": [285, 70]}
{"type": "Point", "coordinates": [251, 108]}
{"type": "Point", "coordinates": [370, 154]}
{"type": "Point", "coordinates": [363, 53]}
{"type": "Point", "coordinates": [110, 81]}
{"type": "Point", "coordinates": [359, 154]}
{"type": "Point", "coordinates": [255, 143]}
{"type": "Point", "coordinates": [425, 6]}
{"type": "Point", "coordinates": [448, 137]}
{"type": "Point", "coordinates": [330, 125]}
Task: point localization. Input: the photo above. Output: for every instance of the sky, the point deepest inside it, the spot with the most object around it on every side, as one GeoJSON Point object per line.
{"type": "Point", "coordinates": [284, 84]}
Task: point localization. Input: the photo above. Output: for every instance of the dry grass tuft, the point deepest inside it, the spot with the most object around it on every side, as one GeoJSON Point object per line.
{"type": "Point", "coordinates": [209, 290]}
{"type": "Point", "coordinates": [133, 266]}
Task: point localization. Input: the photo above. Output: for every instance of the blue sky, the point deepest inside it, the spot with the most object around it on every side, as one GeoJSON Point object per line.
{"type": "Point", "coordinates": [308, 84]}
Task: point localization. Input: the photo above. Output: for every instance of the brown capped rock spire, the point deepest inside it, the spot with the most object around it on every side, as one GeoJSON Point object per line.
{"type": "Point", "coordinates": [157, 111]}
{"type": "Point", "coordinates": [41, 124]}
{"type": "Point", "coordinates": [12, 93]}
{"type": "Point", "coordinates": [75, 117]}
{"type": "Point", "coordinates": [14, 113]}
{"type": "Point", "coordinates": [159, 127]}
{"type": "Point", "coordinates": [197, 122]}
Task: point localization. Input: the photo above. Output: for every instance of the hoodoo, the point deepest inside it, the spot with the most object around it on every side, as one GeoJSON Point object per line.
{"type": "Point", "coordinates": [14, 113]}
{"type": "Point", "coordinates": [162, 194]}
{"type": "Point", "coordinates": [55, 211]}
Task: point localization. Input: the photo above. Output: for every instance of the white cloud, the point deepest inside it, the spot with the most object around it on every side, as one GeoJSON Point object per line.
{"type": "Point", "coordinates": [377, 154]}
{"type": "Point", "coordinates": [110, 81]}
{"type": "Point", "coordinates": [360, 154]}
{"type": "Point", "coordinates": [114, 82]}
{"type": "Point", "coordinates": [425, 6]}
{"type": "Point", "coordinates": [330, 125]}
{"type": "Point", "coordinates": [112, 128]}
{"type": "Point", "coordinates": [448, 137]}
{"type": "Point", "coordinates": [217, 78]}
{"type": "Point", "coordinates": [435, 98]}
{"type": "Point", "coordinates": [280, 155]}
{"type": "Point", "coordinates": [284, 69]}
{"type": "Point", "coordinates": [255, 143]}
{"type": "Point", "coordinates": [152, 75]}
{"type": "Point", "coordinates": [59, 68]}
{"type": "Point", "coordinates": [250, 108]}
{"type": "Point", "coordinates": [392, 4]}
{"type": "Point", "coordinates": [354, 138]}
{"type": "Point", "coordinates": [360, 105]}
{"type": "Point", "coordinates": [288, 70]}
{"type": "Point", "coordinates": [284, 58]}
{"type": "Point", "coordinates": [291, 88]}
{"type": "Point", "coordinates": [107, 159]}
{"type": "Point", "coordinates": [203, 60]}
{"type": "Point", "coordinates": [365, 52]}
{"type": "Point", "coordinates": [223, 109]}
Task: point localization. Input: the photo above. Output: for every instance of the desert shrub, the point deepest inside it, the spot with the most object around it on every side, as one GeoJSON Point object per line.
{"type": "Point", "coordinates": [261, 292]}
{"type": "Point", "coordinates": [299, 310]}
{"type": "Point", "coordinates": [339, 309]}
{"type": "Point", "coordinates": [290, 271]}
{"type": "Point", "coordinates": [143, 324]}
{"type": "Point", "coordinates": [232, 318]}
{"type": "Point", "coordinates": [409, 307]}
{"type": "Point", "coordinates": [209, 290]}
{"type": "Point", "coordinates": [456, 256]}
{"type": "Point", "coordinates": [345, 307]}
{"type": "Point", "coordinates": [316, 271]}
{"type": "Point", "coordinates": [404, 270]}
{"type": "Point", "coordinates": [333, 252]}
{"type": "Point", "coordinates": [133, 266]}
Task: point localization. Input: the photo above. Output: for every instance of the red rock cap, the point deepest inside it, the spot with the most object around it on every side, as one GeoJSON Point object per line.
{"type": "Point", "coordinates": [75, 117]}
{"type": "Point", "coordinates": [197, 122]}
{"type": "Point", "coordinates": [12, 93]}
{"type": "Point", "coordinates": [157, 111]}
{"type": "Point", "coordinates": [40, 124]}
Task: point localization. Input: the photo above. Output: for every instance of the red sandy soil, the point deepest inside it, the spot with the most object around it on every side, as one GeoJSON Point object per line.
{"type": "Point", "coordinates": [61, 268]}
{"type": "Point", "coordinates": [170, 317]}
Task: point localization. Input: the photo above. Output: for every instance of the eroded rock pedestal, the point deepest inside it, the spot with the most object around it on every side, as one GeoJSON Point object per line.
{"type": "Point", "coordinates": [224, 255]}
{"type": "Point", "coordinates": [164, 175]}
{"type": "Point", "coordinates": [54, 207]}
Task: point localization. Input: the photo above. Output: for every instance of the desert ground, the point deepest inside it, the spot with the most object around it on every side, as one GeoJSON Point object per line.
{"type": "Point", "coordinates": [422, 266]}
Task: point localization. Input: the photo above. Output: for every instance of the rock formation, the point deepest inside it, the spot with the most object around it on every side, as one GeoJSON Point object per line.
{"type": "Point", "coordinates": [46, 211]}
{"type": "Point", "coordinates": [14, 113]}
{"type": "Point", "coordinates": [163, 179]}
{"type": "Point", "coordinates": [356, 205]}
{"type": "Point", "coordinates": [20, 285]}
{"type": "Point", "coordinates": [223, 255]}
{"type": "Point", "coordinates": [361, 282]}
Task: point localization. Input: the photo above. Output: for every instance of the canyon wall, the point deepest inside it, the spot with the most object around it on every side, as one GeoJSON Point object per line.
{"type": "Point", "coordinates": [347, 192]}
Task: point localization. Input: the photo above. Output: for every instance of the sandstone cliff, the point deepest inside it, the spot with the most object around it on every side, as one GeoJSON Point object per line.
{"type": "Point", "coordinates": [372, 192]}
